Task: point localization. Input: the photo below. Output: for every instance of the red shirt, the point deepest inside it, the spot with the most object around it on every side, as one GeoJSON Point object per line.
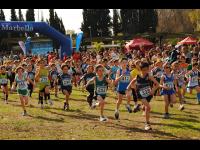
{"type": "Point", "coordinates": [76, 57]}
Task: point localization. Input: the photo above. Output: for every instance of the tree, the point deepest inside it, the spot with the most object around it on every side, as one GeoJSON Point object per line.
{"type": "Point", "coordinates": [116, 23]}
{"type": "Point", "coordinates": [51, 17]}
{"type": "Point", "coordinates": [97, 22]}
{"type": "Point", "coordinates": [2, 16]}
{"type": "Point", "coordinates": [21, 18]}
{"type": "Point", "coordinates": [30, 15]}
{"type": "Point", "coordinates": [13, 15]}
{"type": "Point", "coordinates": [62, 27]}
{"type": "Point", "coordinates": [194, 18]}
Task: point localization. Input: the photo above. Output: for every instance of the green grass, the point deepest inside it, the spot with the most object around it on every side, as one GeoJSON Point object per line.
{"type": "Point", "coordinates": [82, 123]}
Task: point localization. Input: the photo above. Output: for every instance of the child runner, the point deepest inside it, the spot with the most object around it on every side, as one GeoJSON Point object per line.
{"type": "Point", "coordinates": [22, 87]}
{"type": "Point", "coordinates": [101, 83]}
{"type": "Point", "coordinates": [53, 78]}
{"type": "Point", "coordinates": [167, 83]}
{"type": "Point", "coordinates": [31, 76]}
{"type": "Point", "coordinates": [4, 83]}
{"type": "Point", "coordinates": [179, 75]}
{"type": "Point", "coordinates": [65, 80]}
{"type": "Point", "coordinates": [142, 83]}
{"type": "Point", "coordinates": [122, 80]}
{"type": "Point", "coordinates": [192, 77]}
{"type": "Point", "coordinates": [90, 88]}
{"type": "Point", "coordinates": [42, 77]}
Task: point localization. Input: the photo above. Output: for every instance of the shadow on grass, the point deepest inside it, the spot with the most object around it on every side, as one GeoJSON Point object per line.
{"type": "Point", "coordinates": [47, 119]}
{"type": "Point", "coordinates": [154, 131]}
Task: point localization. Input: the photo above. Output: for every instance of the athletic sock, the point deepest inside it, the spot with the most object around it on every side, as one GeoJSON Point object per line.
{"type": "Point", "coordinates": [6, 97]}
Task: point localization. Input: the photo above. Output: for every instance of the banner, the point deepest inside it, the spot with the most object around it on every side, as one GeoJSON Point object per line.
{"type": "Point", "coordinates": [22, 45]}
{"type": "Point", "coordinates": [41, 48]}
{"type": "Point", "coordinates": [78, 41]}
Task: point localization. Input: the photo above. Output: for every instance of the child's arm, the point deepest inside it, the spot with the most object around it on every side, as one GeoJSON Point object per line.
{"type": "Point", "coordinates": [131, 84]}
{"type": "Point", "coordinates": [90, 81]}
{"type": "Point", "coordinates": [162, 82]}
{"type": "Point", "coordinates": [155, 83]}
{"type": "Point", "coordinates": [118, 77]}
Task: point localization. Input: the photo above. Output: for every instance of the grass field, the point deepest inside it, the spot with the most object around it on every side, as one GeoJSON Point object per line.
{"type": "Point", "coordinates": [82, 123]}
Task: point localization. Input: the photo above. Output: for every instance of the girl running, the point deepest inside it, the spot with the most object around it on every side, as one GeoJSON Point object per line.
{"type": "Point", "coordinates": [122, 80]}
{"type": "Point", "coordinates": [167, 83]}
{"type": "Point", "coordinates": [21, 79]}
{"type": "Point", "coordinates": [53, 78]}
{"type": "Point", "coordinates": [31, 76]}
{"type": "Point", "coordinates": [144, 91]}
{"type": "Point", "coordinates": [101, 83]}
{"type": "Point", "coordinates": [193, 77]}
{"type": "Point", "coordinates": [66, 84]}
{"type": "Point", "coordinates": [90, 88]}
{"type": "Point", "coordinates": [42, 77]}
{"type": "Point", "coordinates": [4, 83]}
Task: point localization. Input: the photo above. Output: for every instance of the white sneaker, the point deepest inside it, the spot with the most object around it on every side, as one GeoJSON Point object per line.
{"type": "Point", "coordinates": [103, 119]}
{"type": "Point", "coordinates": [147, 127]}
{"type": "Point", "coordinates": [50, 102]}
{"type": "Point", "coordinates": [181, 107]}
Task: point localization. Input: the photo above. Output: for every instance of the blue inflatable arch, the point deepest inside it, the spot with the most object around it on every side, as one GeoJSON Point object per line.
{"type": "Point", "coordinates": [40, 27]}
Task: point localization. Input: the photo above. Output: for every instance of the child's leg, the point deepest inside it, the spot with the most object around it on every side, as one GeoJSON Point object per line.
{"type": "Point", "coordinates": [47, 92]}
{"type": "Point", "coordinates": [198, 93]}
{"type": "Point", "coordinates": [173, 98]}
{"type": "Point", "coordinates": [128, 95]}
{"type": "Point", "coordinates": [147, 110]}
{"type": "Point", "coordinates": [183, 90]}
{"type": "Point", "coordinates": [56, 90]}
{"type": "Point", "coordinates": [180, 95]}
{"type": "Point", "coordinates": [166, 99]}
{"type": "Point", "coordinates": [134, 96]}
{"type": "Point", "coordinates": [26, 100]}
{"type": "Point", "coordinates": [119, 101]}
{"type": "Point", "coordinates": [41, 94]}
{"type": "Point", "coordinates": [101, 104]}
{"type": "Point", "coordinates": [22, 102]}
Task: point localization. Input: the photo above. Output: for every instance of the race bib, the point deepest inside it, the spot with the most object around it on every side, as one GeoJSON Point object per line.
{"type": "Point", "coordinates": [194, 79]}
{"type": "Point", "coordinates": [31, 76]}
{"type": "Point", "coordinates": [54, 76]}
{"type": "Point", "coordinates": [169, 85]}
{"type": "Point", "coordinates": [22, 85]}
{"type": "Point", "coordinates": [159, 74]}
{"type": "Point", "coordinates": [145, 92]}
{"type": "Point", "coordinates": [125, 79]}
{"type": "Point", "coordinates": [66, 82]}
{"type": "Point", "coordinates": [4, 81]}
{"type": "Point", "coordinates": [44, 79]}
{"type": "Point", "coordinates": [101, 90]}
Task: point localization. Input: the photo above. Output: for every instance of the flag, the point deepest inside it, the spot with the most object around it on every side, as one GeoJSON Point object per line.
{"type": "Point", "coordinates": [22, 45]}
{"type": "Point", "coordinates": [78, 41]}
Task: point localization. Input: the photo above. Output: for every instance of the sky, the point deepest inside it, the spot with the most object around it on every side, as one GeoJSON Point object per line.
{"type": "Point", "coordinates": [72, 18]}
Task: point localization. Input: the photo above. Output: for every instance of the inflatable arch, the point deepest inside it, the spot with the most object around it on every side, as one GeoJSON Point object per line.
{"type": "Point", "coordinates": [40, 27]}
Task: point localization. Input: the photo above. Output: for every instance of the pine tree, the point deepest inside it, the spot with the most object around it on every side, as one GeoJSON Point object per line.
{"type": "Point", "coordinates": [51, 17]}
{"type": "Point", "coordinates": [116, 23]}
{"type": "Point", "coordinates": [13, 15]}
{"type": "Point", "coordinates": [21, 18]}
{"type": "Point", "coordinates": [2, 16]}
{"type": "Point", "coordinates": [30, 15]}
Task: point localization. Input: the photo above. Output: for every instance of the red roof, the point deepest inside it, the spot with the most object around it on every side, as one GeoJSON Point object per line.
{"type": "Point", "coordinates": [137, 42]}
{"type": "Point", "coordinates": [188, 40]}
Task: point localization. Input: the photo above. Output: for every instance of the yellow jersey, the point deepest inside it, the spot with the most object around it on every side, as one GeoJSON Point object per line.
{"type": "Point", "coordinates": [134, 73]}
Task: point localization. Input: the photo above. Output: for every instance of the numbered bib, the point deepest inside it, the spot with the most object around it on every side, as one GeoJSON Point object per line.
{"type": "Point", "coordinates": [31, 76]}
{"type": "Point", "coordinates": [66, 82]}
{"type": "Point", "coordinates": [22, 85]}
{"type": "Point", "coordinates": [44, 79]}
{"type": "Point", "coordinates": [159, 74]}
{"type": "Point", "coordinates": [194, 79]}
{"type": "Point", "coordinates": [101, 90]}
{"type": "Point", "coordinates": [145, 92]}
{"type": "Point", "coordinates": [54, 76]}
{"type": "Point", "coordinates": [169, 85]}
{"type": "Point", "coordinates": [125, 79]}
{"type": "Point", "coordinates": [4, 81]}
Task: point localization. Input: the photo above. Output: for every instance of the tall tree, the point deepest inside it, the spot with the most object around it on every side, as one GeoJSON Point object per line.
{"type": "Point", "coordinates": [30, 15]}
{"type": "Point", "coordinates": [2, 16]}
{"type": "Point", "coordinates": [116, 23]}
{"type": "Point", "coordinates": [51, 17]}
{"type": "Point", "coordinates": [62, 27]}
{"type": "Point", "coordinates": [13, 15]}
{"type": "Point", "coordinates": [21, 18]}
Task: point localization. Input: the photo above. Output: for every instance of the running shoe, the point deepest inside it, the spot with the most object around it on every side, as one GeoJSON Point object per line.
{"type": "Point", "coordinates": [24, 113]}
{"type": "Point", "coordinates": [128, 107]}
{"type": "Point", "coordinates": [103, 119]}
{"type": "Point", "coordinates": [147, 127]}
{"type": "Point", "coordinates": [181, 107]}
{"type": "Point", "coordinates": [136, 108]}
{"type": "Point", "coordinates": [6, 102]}
{"type": "Point", "coordinates": [94, 104]}
{"type": "Point", "coordinates": [50, 102]}
{"type": "Point", "coordinates": [198, 102]}
{"type": "Point", "coordinates": [39, 101]}
{"type": "Point", "coordinates": [66, 106]}
{"type": "Point", "coordinates": [183, 99]}
{"type": "Point", "coordinates": [166, 116]}
{"type": "Point", "coordinates": [117, 114]}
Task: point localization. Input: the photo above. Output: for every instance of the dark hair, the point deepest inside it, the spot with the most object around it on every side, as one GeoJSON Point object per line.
{"type": "Point", "coordinates": [123, 59]}
{"type": "Point", "coordinates": [195, 64]}
{"type": "Point", "coordinates": [98, 66]}
{"type": "Point", "coordinates": [144, 65]}
{"type": "Point", "coordinates": [64, 65]}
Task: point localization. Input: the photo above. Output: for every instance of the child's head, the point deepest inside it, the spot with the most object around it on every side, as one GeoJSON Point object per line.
{"type": "Point", "coordinates": [3, 69]}
{"type": "Point", "coordinates": [90, 69]}
{"type": "Point", "coordinates": [137, 64]}
{"type": "Point", "coordinates": [64, 68]}
{"type": "Point", "coordinates": [20, 70]}
{"type": "Point", "coordinates": [42, 62]}
{"type": "Point", "coordinates": [99, 70]}
{"type": "Point", "coordinates": [124, 62]}
{"type": "Point", "coordinates": [53, 66]}
{"type": "Point", "coordinates": [116, 62]}
{"type": "Point", "coordinates": [30, 67]}
{"type": "Point", "coordinates": [175, 65]}
{"type": "Point", "coordinates": [194, 66]}
{"type": "Point", "coordinates": [167, 68]}
{"type": "Point", "coordinates": [144, 68]}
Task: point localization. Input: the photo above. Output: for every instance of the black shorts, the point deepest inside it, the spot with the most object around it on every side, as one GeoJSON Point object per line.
{"type": "Point", "coordinates": [43, 90]}
{"type": "Point", "coordinates": [4, 85]}
{"type": "Point", "coordinates": [90, 90]}
{"type": "Point", "coordinates": [122, 92]}
{"type": "Point", "coordinates": [103, 96]}
{"type": "Point", "coordinates": [68, 89]}
{"type": "Point", "coordinates": [147, 98]}
{"type": "Point", "coordinates": [30, 86]}
{"type": "Point", "coordinates": [52, 84]}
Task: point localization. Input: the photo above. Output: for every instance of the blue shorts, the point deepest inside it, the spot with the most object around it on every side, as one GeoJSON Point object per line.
{"type": "Point", "coordinates": [167, 92]}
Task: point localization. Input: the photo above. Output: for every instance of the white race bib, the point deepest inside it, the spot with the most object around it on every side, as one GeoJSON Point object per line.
{"type": "Point", "coordinates": [169, 85]}
{"type": "Point", "coordinates": [66, 82]}
{"type": "Point", "coordinates": [22, 85]}
{"type": "Point", "coordinates": [4, 81]}
{"type": "Point", "coordinates": [101, 90]}
{"type": "Point", "coordinates": [145, 92]}
{"type": "Point", "coordinates": [44, 79]}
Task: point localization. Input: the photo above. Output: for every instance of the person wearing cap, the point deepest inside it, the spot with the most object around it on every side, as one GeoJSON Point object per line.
{"type": "Point", "coordinates": [4, 82]}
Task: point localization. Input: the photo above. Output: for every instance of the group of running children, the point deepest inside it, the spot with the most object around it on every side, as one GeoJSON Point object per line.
{"type": "Point", "coordinates": [137, 79]}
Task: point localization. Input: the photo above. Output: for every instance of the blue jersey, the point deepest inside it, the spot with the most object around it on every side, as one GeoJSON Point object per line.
{"type": "Point", "coordinates": [193, 79]}
{"type": "Point", "coordinates": [168, 82]}
{"type": "Point", "coordinates": [65, 80]}
{"type": "Point", "coordinates": [113, 72]}
{"type": "Point", "coordinates": [124, 81]}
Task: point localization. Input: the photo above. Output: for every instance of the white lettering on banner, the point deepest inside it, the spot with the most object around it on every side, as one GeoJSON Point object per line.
{"type": "Point", "coordinates": [7, 27]}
